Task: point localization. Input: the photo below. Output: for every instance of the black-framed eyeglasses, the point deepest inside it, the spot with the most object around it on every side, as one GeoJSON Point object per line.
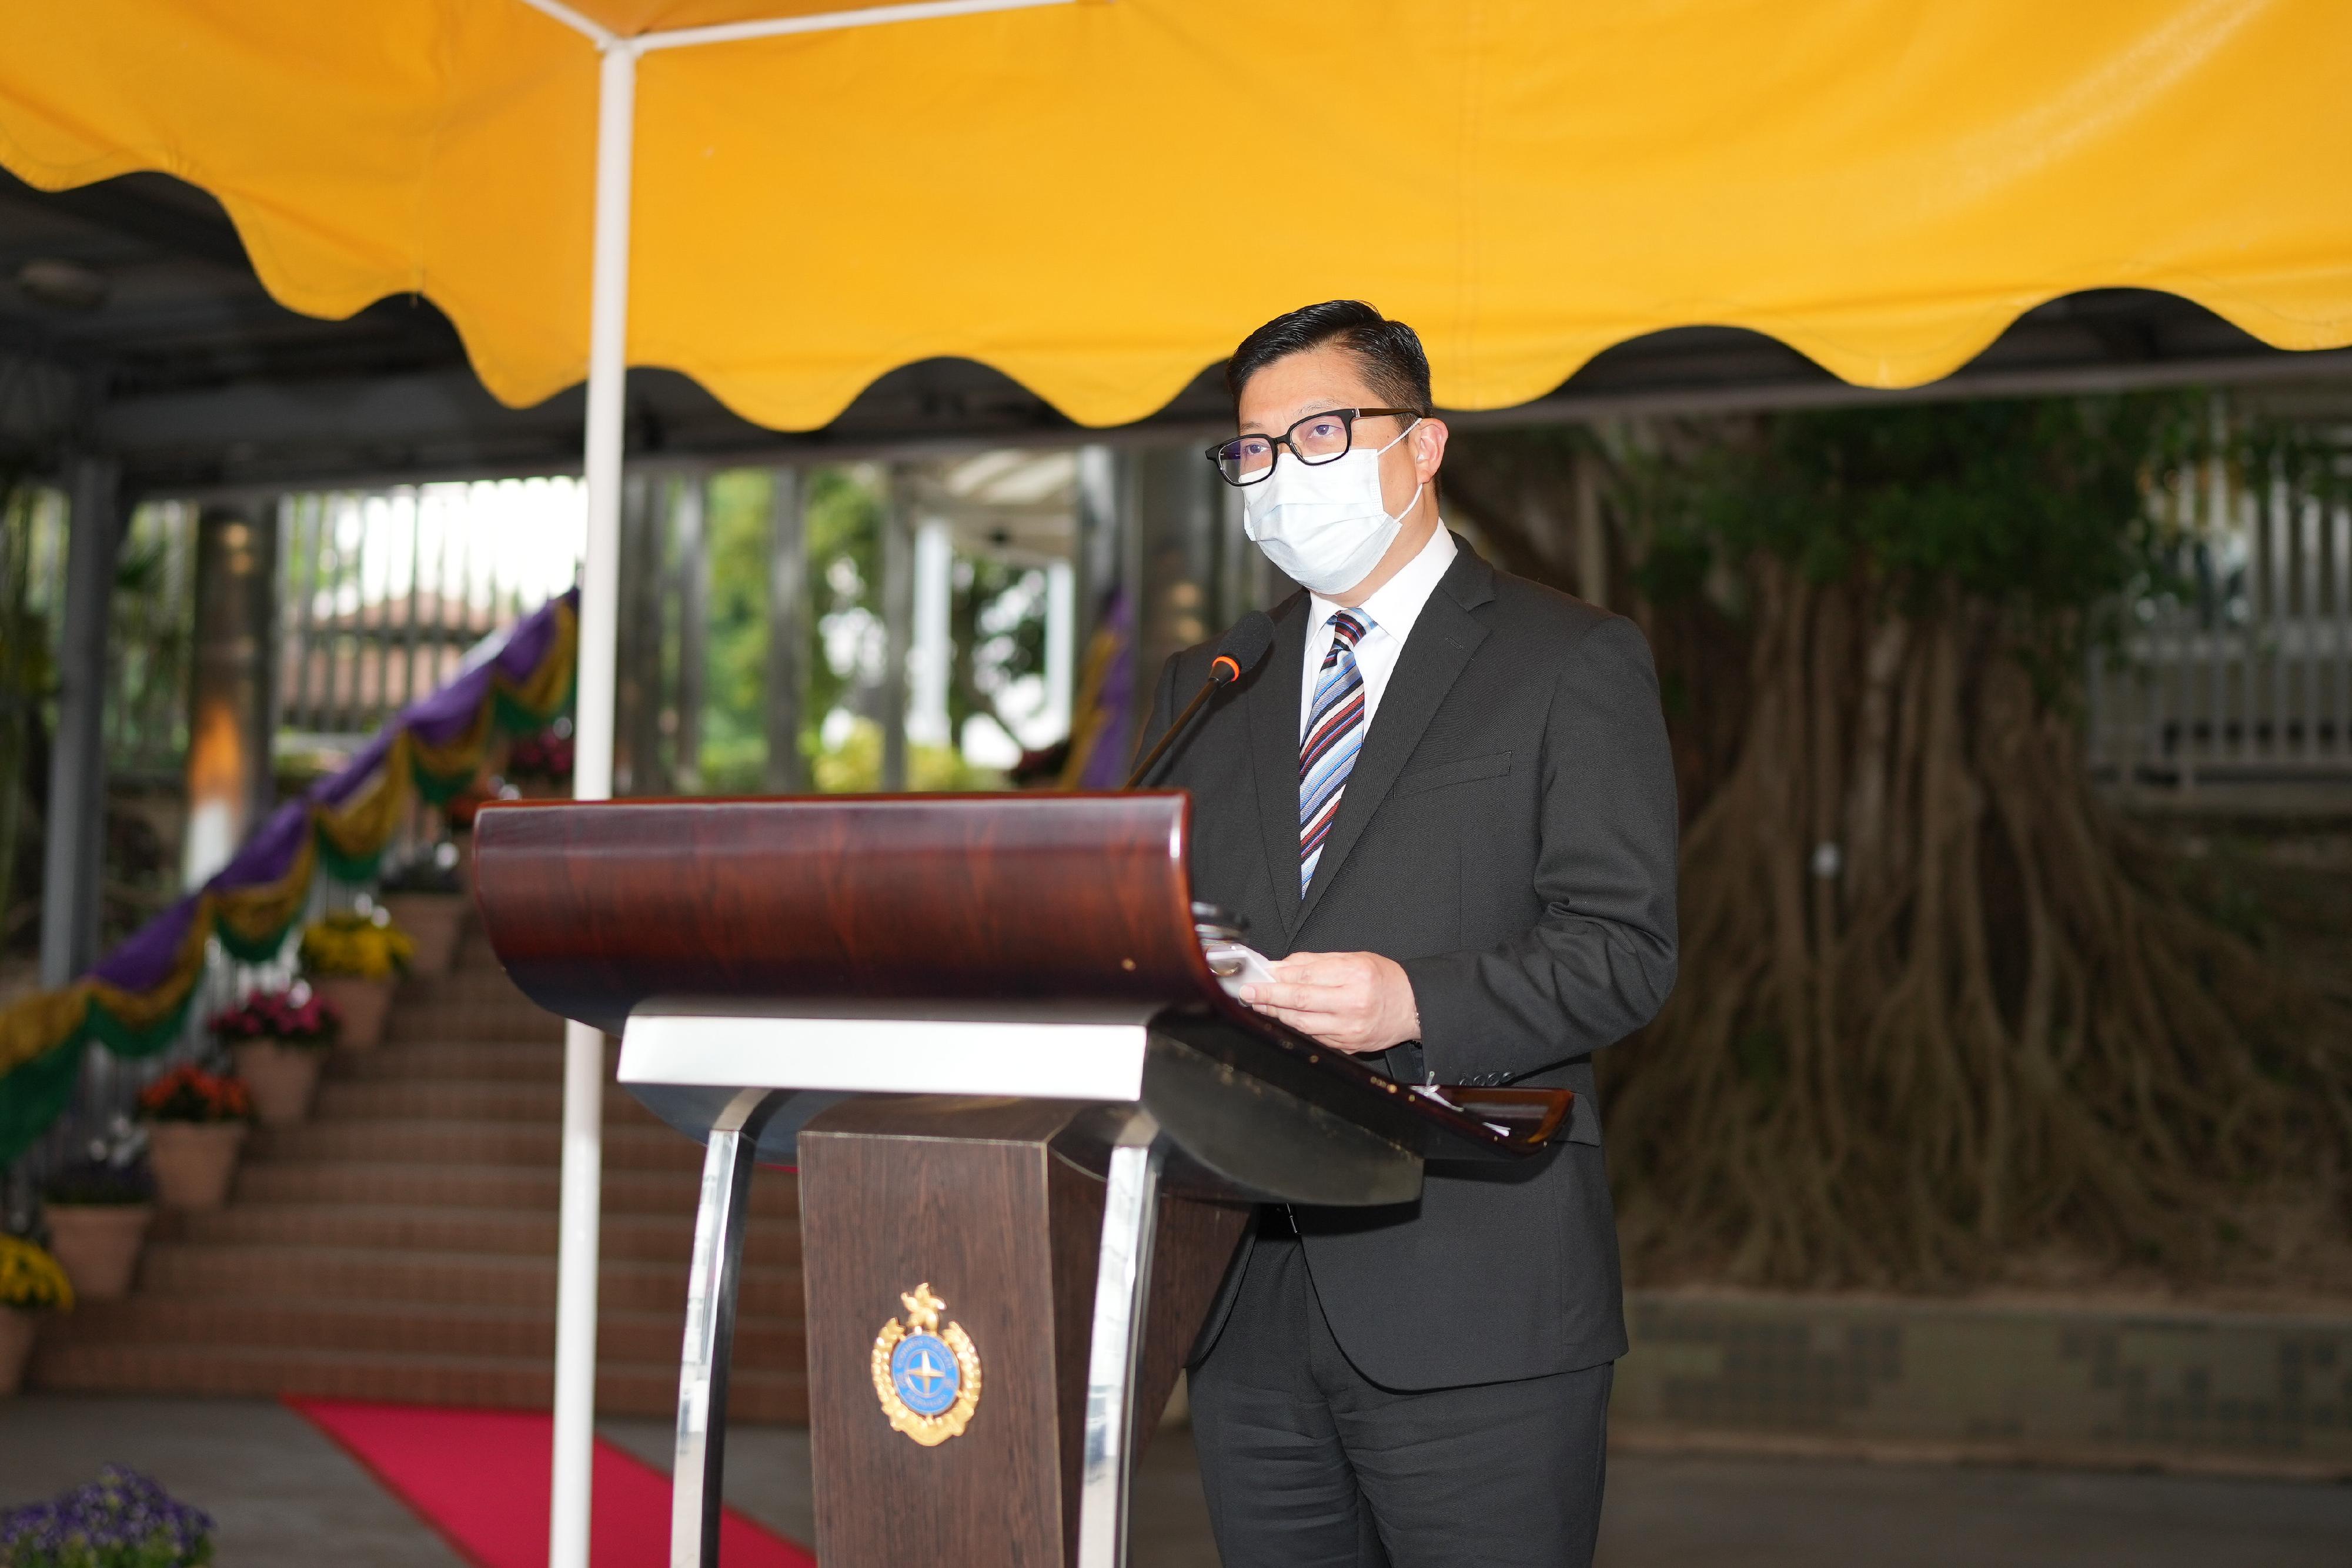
{"type": "Point", "coordinates": [1318, 438]}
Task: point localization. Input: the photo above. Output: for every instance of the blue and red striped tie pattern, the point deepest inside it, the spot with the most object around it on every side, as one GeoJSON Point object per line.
{"type": "Point", "coordinates": [1334, 735]}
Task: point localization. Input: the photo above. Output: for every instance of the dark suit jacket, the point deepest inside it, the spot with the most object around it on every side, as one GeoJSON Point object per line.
{"type": "Point", "coordinates": [1508, 836]}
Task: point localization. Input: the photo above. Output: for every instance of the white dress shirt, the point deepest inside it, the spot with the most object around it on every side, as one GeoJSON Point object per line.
{"type": "Point", "coordinates": [1393, 611]}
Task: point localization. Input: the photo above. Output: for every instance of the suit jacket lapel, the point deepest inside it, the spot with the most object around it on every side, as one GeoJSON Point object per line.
{"type": "Point", "coordinates": [1442, 640]}
{"type": "Point", "coordinates": [1272, 701]}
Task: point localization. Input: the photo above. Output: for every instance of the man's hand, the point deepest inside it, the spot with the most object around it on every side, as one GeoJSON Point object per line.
{"type": "Point", "coordinates": [1354, 1002]}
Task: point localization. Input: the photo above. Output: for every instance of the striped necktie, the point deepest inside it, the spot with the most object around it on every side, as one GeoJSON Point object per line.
{"type": "Point", "coordinates": [1334, 735]}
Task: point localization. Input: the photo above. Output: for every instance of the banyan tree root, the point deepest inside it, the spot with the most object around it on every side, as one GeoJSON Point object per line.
{"type": "Point", "coordinates": [1940, 1004]}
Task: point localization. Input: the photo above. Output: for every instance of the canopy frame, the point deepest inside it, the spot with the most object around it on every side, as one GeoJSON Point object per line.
{"type": "Point", "coordinates": [580, 1204]}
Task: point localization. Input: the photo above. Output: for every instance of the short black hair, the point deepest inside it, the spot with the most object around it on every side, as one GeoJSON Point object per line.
{"type": "Point", "coordinates": [1389, 352]}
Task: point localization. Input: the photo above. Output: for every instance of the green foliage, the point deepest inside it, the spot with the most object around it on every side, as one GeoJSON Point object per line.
{"type": "Point", "coordinates": [844, 548]}
{"type": "Point", "coordinates": [734, 718]}
{"type": "Point", "coordinates": [854, 767]}
{"type": "Point", "coordinates": [27, 683]}
{"type": "Point", "coordinates": [997, 623]}
{"type": "Point", "coordinates": [149, 630]}
{"type": "Point", "coordinates": [997, 627]}
{"type": "Point", "coordinates": [123, 1519]}
{"type": "Point", "coordinates": [844, 541]}
{"type": "Point", "coordinates": [2039, 506]}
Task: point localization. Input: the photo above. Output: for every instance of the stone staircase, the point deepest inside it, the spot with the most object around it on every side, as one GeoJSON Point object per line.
{"type": "Point", "coordinates": [401, 1245]}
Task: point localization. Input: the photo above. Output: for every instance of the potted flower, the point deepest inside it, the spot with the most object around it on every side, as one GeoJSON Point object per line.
{"type": "Point", "coordinates": [122, 1520]}
{"type": "Point", "coordinates": [197, 1124]}
{"type": "Point", "coordinates": [425, 896]}
{"type": "Point", "coordinates": [540, 766]}
{"type": "Point", "coordinates": [353, 959]}
{"type": "Point", "coordinates": [30, 1281]}
{"type": "Point", "coordinates": [277, 1039]}
{"type": "Point", "coordinates": [97, 1209]}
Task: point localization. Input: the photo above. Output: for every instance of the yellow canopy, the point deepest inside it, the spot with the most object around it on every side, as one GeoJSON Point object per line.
{"type": "Point", "coordinates": [1099, 199]}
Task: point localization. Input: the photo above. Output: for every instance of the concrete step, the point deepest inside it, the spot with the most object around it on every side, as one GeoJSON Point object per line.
{"type": "Point", "coordinates": [263, 1273]}
{"type": "Point", "coordinates": [401, 1245]}
{"type": "Point", "coordinates": [397, 1141]}
{"type": "Point", "coordinates": [405, 1328]}
{"type": "Point", "coordinates": [673, 1192]}
{"type": "Point", "coordinates": [461, 1062]}
{"type": "Point", "coordinates": [430, 1100]}
{"type": "Point", "coordinates": [513, 1233]}
{"type": "Point", "coordinates": [648, 1388]}
{"type": "Point", "coordinates": [429, 1021]}
{"type": "Point", "coordinates": [486, 984]}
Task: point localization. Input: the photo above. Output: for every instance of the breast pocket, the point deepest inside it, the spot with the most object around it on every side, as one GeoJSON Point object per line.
{"type": "Point", "coordinates": [1493, 764]}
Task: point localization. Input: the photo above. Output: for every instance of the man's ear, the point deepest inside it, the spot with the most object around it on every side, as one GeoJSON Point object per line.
{"type": "Point", "coordinates": [1428, 448]}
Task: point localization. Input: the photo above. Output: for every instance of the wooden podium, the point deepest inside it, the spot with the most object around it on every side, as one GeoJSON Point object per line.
{"type": "Point", "coordinates": [1030, 1127]}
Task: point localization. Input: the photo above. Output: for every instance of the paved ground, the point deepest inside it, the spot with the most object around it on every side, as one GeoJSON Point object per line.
{"type": "Point", "coordinates": [286, 1498]}
{"type": "Point", "coordinates": [280, 1492]}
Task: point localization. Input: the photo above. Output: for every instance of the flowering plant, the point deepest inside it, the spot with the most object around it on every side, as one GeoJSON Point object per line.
{"type": "Point", "coordinates": [30, 1278]}
{"type": "Point", "coordinates": [122, 1520]}
{"type": "Point", "coordinates": [299, 1016]}
{"type": "Point", "coordinates": [545, 756]}
{"type": "Point", "coordinates": [367, 945]}
{"type": "Point", "coordinates": [103, 1183]}
{"type": "Point", "coordinates": [189, 1093]}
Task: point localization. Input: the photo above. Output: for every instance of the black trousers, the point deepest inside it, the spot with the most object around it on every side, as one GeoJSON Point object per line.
{"type": "Point", "coordinates": [1307, 1464]}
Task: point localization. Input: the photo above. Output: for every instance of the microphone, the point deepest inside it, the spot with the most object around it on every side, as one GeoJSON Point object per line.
{"type": "Point", "coordinates": [1237, 655]}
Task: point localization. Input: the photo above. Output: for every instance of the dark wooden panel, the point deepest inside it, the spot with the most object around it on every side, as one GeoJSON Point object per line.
{"type": "Point", "coordinates": [967, 1196]}
{"type": "Point", "coordinates": [881, 1213]}
{"type": "Point", "coordinates": [1057, 899]}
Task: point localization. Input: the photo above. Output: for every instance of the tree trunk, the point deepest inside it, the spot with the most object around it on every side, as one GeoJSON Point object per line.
{"type": "Point", "coordinates": [1937, 1002]}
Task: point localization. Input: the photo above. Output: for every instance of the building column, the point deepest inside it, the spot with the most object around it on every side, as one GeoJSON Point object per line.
{"type": "Point", "coordinates": [73, 870]}
{"type": "Point", "coordinates": [1061, 646]}
{"type": "Point", "coordinates": [788, 631]}
{"type": "Point", "coordinates": [1106, 567]}
{"type": "Point", "coordinates": [229, 711]}
{"type": "Point", "coordinates": [931, 653]}
{"type": "Point", "coordinates": [1180, 520]}
{"type": "Point", "coordinates": [693, 626]}
{"type": "Point", "coordinates": [1102, 555]}
{"type": "Point", "coordinates": [898, 622]}
{"type": "Point", "coordinates": [637, 647]}
{"type": "Point", "coordinates": [1591, 533]}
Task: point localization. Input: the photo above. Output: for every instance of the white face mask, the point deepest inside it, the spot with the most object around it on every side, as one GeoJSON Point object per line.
{"type": "Point", "coordinates": [1324, 524]}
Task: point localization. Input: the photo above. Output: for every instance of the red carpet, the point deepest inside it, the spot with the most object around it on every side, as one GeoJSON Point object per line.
{"type": "Point", "coordinates": [480, 1478]}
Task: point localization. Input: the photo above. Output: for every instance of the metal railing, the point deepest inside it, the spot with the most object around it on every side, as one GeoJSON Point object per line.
{"type": "Point", "coordinates": [381, 592]}
{"type": "Point", "coordinates": [2244, 672]}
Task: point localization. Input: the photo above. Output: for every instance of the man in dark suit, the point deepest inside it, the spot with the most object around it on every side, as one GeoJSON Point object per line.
{"type": "Point", "coordinates": [1444, 804]}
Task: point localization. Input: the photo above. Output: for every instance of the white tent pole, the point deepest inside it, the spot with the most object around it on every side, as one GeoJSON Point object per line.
{"type": "Point", "coordinates": [578, 1243]}
{"type": "Point", "coordinates": [600, 621]}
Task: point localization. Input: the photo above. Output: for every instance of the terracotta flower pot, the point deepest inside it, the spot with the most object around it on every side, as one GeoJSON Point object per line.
{"type": "Point", "coordinates": [15, 1348]}
{"type": "Point", "coordinates": [434, 921]}
{"type": "Point", "coordinates": [193, 1161]}
{"type": "Point", "coordinates": [361, 1003]}
{"type": "Point", "coordinates": [281, 1079]}
{"type": "Point", "coordinates": [98, 1245]}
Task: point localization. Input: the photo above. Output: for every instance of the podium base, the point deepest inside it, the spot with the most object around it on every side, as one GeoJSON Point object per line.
{"type": "Point", "coordinates": [1032, 1289]}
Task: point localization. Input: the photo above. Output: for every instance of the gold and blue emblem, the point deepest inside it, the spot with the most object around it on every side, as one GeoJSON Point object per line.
{"type": "Point", "coordinates": [925, 1376]}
